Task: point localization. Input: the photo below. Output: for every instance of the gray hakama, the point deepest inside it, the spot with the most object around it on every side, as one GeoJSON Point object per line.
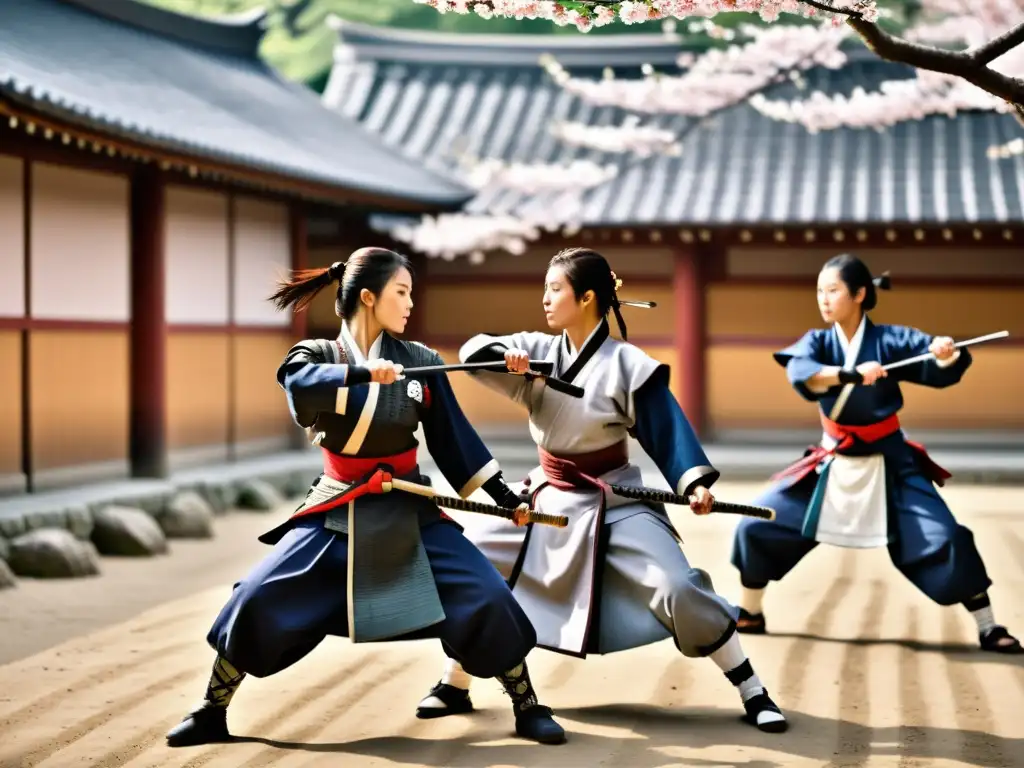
{"type": "Point", "coordinates": [616, 578]}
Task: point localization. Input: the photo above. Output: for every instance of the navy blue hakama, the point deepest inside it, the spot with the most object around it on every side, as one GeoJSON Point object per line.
{"type": "Point", "coordinates": [297, 596]}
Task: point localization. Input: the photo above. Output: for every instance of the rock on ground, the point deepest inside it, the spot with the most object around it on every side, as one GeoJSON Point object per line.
{"type": "Point", "coordinates": [259, 495]}
{"type": "Point", "coordinates": [53, 553]}
{"type": "Point", "coordinates": [127, 531]}
{"type": "Point", "coordinates": [187, 516]}
{"type": "Point", "coordinates": [7, 577]}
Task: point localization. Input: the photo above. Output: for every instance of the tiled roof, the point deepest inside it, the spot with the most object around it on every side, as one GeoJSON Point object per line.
{"type": "Point", "coordinates": [432, 96]}
{"type": "Point", "coordinates": [194, 87]}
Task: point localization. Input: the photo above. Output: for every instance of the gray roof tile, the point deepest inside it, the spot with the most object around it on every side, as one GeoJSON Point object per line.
{"type": "Point", "coordinates": [431, 96]}
{"type": "Point", "coordinates": [194, 87]}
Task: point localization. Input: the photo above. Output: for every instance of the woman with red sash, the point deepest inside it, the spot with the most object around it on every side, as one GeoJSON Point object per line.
{"type": "Point", "coordinates": [866, 485]}
{"type": "Point", "coordinates": [356, 562]}
{"type": "Point", "coordinates": [616, 578]}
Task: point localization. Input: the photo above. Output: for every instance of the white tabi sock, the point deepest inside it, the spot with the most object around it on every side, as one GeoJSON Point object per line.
{"type": "Point", "coordinates": [731, 657]}
{"type": "Point", "coordinates": [738, 670]}
{"type": "Point", "coordinates": [750, 600]}
{"type": "Point", "coordinates": [986, 620]}
{"type": "Point", "coordinates": [456, 676]}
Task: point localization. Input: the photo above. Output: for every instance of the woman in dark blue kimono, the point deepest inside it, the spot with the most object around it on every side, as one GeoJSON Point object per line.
{"type": "Point", "coordinates": [353, 561]}
{"type": "Point", "coordinates": [866, 485]}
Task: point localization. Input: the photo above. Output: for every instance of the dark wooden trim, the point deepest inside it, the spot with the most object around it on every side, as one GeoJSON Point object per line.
{"type": "Point", "coordinates": [470, 278]}
{"type": "Point", "coordinates": [148, 441]}
{"type": "Point", "coordinates": [779, 342]}
{"type": "Point", "coordinates": [299, 242]}
{"type": "Point", "coordinates": [808, 282]}
{"type": "Point", "coordinates": [855, 236]}
{"type": "Point", "coordinates": [172, 163]}
{"type": "Point", "coordinates": [26, 341]}
{"type": "Point", "coordinates": [232, 420]}
{"type": "Point", "coordinates": [229, 328]}
{"type": "Point", "coordinates": [56, 152]}
{"type": "Point", "coordinates": [44, 324]}
{"type": "Point", "coordinates": [690, 341]}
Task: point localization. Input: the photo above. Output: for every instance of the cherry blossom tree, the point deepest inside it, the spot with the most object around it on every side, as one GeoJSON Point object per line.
{"type": "Point", "coordinates": [758, 58]}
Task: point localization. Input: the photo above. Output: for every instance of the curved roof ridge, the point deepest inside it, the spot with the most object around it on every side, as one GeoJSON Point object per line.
{"type": "Point", "coordinates": [369, 42]}
{"type": "Point", "coordinates": [239, 34]}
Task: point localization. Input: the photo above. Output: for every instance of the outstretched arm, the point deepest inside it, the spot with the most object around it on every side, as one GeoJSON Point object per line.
{"type": "Point", "coordinates": [902, 341]}
{"type": "Point", "coordinates": [486, 347]}
{"type": "Point", "coordinates": [807, 374]}
{"type": "Point", "coordinates": [666, 435]}
{"type": "Point", "coordinates": [312, 384]}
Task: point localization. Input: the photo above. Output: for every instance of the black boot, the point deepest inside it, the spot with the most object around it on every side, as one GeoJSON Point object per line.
{"type": "Point", "coordinates": [533, 720]}
{"type": "Point", "coordinates": [208, 724]}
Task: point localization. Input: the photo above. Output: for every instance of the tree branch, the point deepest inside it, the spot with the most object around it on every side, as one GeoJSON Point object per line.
{"type": "Point", "coordinates": [1006, 42]}
{"type": "Point", "coordinates": [969, 65]}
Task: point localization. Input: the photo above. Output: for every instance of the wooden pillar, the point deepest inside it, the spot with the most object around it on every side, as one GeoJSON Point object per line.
{"type": "Point", "coordinates": [26, 333]}
{"type": "Point", "coordinates": [690, 337]}
{"type": "Point", "coordinates": [232, 393]}
{"type": "Point", "coordinates": [299, 236]}
{"type": "Point", "coordinates": [148, 326]}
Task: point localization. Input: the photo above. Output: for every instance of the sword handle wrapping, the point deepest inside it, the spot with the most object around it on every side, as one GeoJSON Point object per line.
{"type": "Point", "coordinates": [464, 505]}
{"type": "Point", "coordinates": [558, 521]}
{"type": "Point", "coordinates": [722, 507]}
{"type": "Point", "coordinates": [750, 510]}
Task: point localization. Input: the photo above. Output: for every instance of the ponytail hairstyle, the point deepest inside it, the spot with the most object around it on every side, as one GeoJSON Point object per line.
{"type": "Point", "coordinates": [587, 270]}
{"type": "Point", "coordinates": [856, 275]}
{"type": "Point", "coordinates": [369, 268]}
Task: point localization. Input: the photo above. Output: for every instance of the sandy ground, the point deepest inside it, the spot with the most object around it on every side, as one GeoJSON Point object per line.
{"type": "Point", "coordinates": [871, 674]}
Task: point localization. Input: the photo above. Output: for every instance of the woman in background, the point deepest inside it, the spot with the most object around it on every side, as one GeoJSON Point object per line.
{"type": "Point", "coordinates": [866, 485]}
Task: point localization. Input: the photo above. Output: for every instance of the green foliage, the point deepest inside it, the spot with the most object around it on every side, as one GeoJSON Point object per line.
{"type": "Point", "coordinates": [299, 43]}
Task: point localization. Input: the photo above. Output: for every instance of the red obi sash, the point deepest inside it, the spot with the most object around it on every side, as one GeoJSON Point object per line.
{"type": "Point", "coordinates": [845, 434]}
{"type": "Point", "coordinates": [580, 470]}
{"type": "Point", "coordinates": [369, 475]}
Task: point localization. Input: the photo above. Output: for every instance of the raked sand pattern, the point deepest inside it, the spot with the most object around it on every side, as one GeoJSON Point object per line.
{"type": "Point", "coordinates": [869, 672]}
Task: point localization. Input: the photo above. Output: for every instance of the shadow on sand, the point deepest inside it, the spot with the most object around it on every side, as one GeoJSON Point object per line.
{"type": "Point", "coordinates": [662, 736]}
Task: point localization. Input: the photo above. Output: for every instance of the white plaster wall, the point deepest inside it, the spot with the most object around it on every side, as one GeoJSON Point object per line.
{"type": "Point", "coordinates": [262, 255]}
{"type": "Point", "coordinates": [196, 257]}
{"type": "Point", "coordinates": [80, 244]}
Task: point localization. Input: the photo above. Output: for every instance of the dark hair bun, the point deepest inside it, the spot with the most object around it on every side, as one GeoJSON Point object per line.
{"type": "Point", "coordinates": [883, 282]}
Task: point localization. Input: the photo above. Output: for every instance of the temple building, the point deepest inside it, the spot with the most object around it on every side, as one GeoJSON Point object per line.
{"type": "Point", "coordinates": [155, 178]}
{"type": "Point", "coordinates": [728, 236]}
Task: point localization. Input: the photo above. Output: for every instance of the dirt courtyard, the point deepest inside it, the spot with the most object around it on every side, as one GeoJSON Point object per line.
{"type": "Point", "coordinates": [869, 672]}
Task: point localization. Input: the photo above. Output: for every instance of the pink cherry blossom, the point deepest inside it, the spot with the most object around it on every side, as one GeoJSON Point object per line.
{"type": "Point", "coordinates": [713, 81]}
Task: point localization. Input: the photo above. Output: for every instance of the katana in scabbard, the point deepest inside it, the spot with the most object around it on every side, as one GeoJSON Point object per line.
{"type": "Point", "coordinates": [667, 497]}
{"type": "Point", "coordinates": [463, 505]}
{"type": "Point", "coordinates": [539, 369]}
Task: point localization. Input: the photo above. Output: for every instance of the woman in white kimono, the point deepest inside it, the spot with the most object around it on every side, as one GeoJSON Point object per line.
{"type": "Point", "coordinates": [616, 577]}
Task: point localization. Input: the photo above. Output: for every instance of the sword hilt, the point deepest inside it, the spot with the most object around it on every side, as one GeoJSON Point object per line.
{"type": "Point", "coordinates": [750, 510]}
{"type": "Point", "coordinates": [667, 497]}
{"type": "Point", "coordinates": [465, 505]}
